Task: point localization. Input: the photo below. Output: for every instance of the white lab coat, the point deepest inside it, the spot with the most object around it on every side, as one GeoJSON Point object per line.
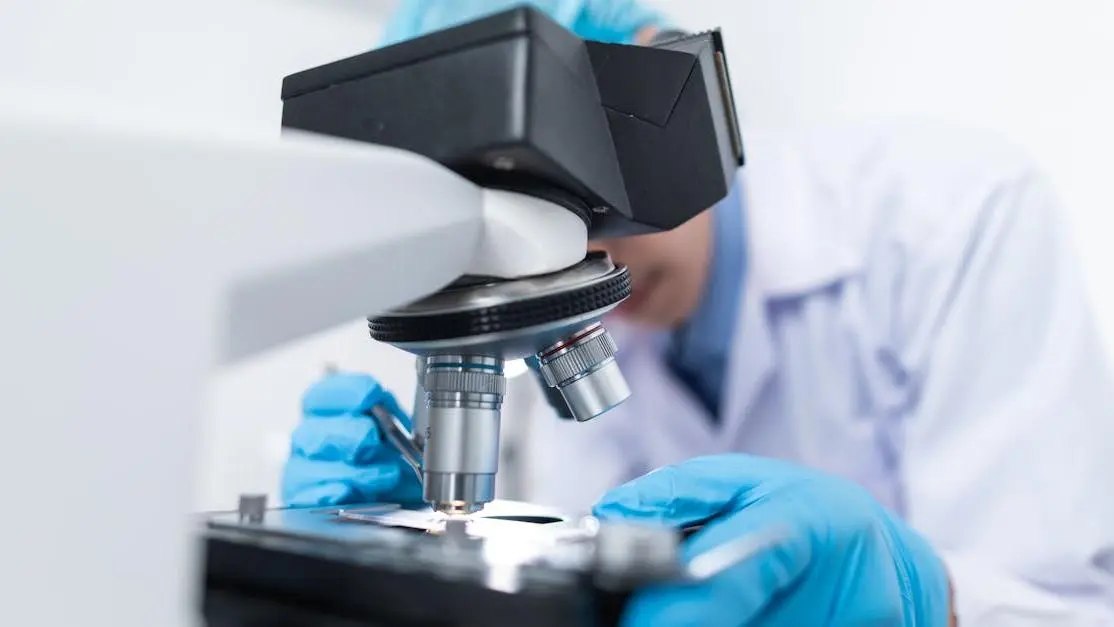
{"type": "Point", "coordinates": [912, 320]}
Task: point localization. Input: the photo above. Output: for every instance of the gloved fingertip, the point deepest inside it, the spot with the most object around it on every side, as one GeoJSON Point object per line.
{"type": "Point", "coordinates": [375, 481]}
{"type": "Point", "coordinates": [318, 495]}
{"type": "Point", "coordinates": [341, 394]}
{"type": "Point", "coordinates": [673, 606]}
{"type": "Point", "coordinates": [350, 439]}
{"type": "Point", "coordinates": [409, 490]}
{"type": "Point", "coordinates": [676, 511]}
{"type": "Point", "coordinates": [618, 510]}
{"type": "Point", "coordinates": [692, 491]}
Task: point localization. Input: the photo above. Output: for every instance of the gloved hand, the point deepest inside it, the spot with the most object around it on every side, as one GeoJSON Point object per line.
{"type": "Point", "coordinates": [616, 21]}
{"type": "Point", "coordinates": [337, 454]}
{"type": "Point", "coordinates": [842, 559]}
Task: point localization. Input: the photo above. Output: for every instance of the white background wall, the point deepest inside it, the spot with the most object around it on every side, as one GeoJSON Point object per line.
{"type": "Point", "coordinates": [1038, 72]}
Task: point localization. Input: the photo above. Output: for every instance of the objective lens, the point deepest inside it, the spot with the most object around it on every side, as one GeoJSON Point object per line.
{"type": "Point", "coordinates": [464, 396]}
{"type": "Point", "coordinates": [584, 371]}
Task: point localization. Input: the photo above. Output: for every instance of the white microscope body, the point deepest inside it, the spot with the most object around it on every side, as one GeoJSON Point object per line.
{"type": "Point", "coordinates": [135, 260]}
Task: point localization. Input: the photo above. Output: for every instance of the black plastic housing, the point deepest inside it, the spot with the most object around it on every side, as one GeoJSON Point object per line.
{"type": "Point", "coordinates": [287, 582]}
{"type": "Point", "coordinates": [673, 125]}
{"type": "Point", "coordinates": [632, 137]}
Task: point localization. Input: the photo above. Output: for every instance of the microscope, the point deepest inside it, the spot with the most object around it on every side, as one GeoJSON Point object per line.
{"type": "Point", "coordinates": [565, 141]}
{"type": "Point", "coordinates": [571, 141]}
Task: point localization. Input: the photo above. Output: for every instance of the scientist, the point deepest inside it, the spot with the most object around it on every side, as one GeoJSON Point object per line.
{"type": "Point", "coordinates": [895, 311]}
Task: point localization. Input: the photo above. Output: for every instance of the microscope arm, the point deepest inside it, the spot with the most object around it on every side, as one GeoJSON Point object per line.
{"type": "Point", "coordinates": [360, 230]}
{"type": "Point", "coordinates": [406, 227]}
{"type": "Point", "coordinates": [295, 234]}
{"type": "Point", "coordinates": [138, 257]}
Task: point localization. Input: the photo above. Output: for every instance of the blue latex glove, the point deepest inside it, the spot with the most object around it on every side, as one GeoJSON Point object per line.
{"type": "Point", "coordinates": [338, 456]}
{"type": "Point", "coordinates": [615, 21]}
{"type": "Point", "coordinates": [843, 559]}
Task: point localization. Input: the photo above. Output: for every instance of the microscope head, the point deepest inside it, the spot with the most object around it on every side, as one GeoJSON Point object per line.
{"type": "Point", "coordinates": [633, 139]}
{"type": "Point", "coordinates": [621, 140]}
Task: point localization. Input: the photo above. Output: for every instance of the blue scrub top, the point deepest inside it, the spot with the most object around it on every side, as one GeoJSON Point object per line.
{"type": "Point", "coordinates": [699, 349]}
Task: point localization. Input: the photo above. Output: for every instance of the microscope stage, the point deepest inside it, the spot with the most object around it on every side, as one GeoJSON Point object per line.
{"type": "Point", "coordinates": [386, 565]}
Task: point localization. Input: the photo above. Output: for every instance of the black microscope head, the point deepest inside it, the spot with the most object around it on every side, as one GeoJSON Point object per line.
{"type": "Point", "coordinates": [634, 139]}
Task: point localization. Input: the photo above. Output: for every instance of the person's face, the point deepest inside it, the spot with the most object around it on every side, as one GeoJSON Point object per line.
{"type": "Point", "coordinates": [668, 271]}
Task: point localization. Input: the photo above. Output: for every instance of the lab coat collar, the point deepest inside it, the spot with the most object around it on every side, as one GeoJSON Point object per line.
{"type": "Point", "coordinates": [796, 241]}
{"type": "Point", "coordinates": [796, 244]}
{"type": "Point", "coordinates": [751, 364]}
{"type": "Point", "coordinates": [675, 409]}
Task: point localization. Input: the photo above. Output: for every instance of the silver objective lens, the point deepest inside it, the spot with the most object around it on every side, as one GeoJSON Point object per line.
{"type": "Point", "coordinates": [584, 370]}
{"type": "Point", "coordinates": [464, 396]}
